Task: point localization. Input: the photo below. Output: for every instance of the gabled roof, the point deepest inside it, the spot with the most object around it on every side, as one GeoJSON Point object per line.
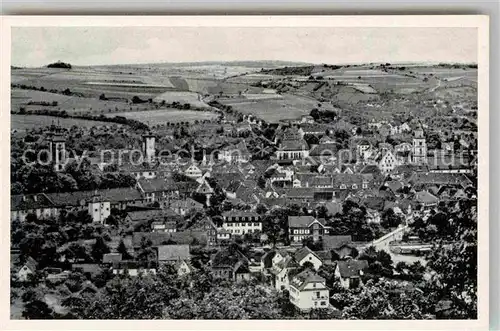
{"type": "Point", "coordinates": [155, 214]}
{"type": "Point", "coordinates": [227, 259]}
{"type": "Point", "coordinates": [287, 263]}
{"type": "Point", "coordinates": [425, 197]}
{"type": "Point", "coordinates": [92, 268]}
{"type": "Point", "coordinates": [351, 268]}
{"type": "Point", "coordinates": [336, 242]}
{"type": "Point", "coordinates": [30, 201]}
{"type": "Point", "coordinates": [204, 188]}
{"type": "Point", "coordinates": [300, 221]}
{"type": "Point", "coordinates": [394, 185]}
{"type": "Point", "coordinates": [111, 257]}
{"type": "Point", "coordinates": [240, 213]}
{"type": "Point", "coordinates": [173, 252]}
{"type": "Point", "coordinates": [120, 194]}
{"type": "Point", "coordinates": [157, 185]}
{"type": "Point", "coordinates": [293, 145]}
{"type": "Point", "coordinates": [187, 203]}
{"type": "Point", "coordinates": [77, 198]}
{"type": "Point", "coordinates": [307, 276]}
{"type": "Point", "coordinates": [375, 203]}
{"type": "Point", "coordinates": [440, 179]}
{"type": "Point", "coordinates": [303, 252]}
{"type": "Point", "coordinates": [300, 193]}
{"type": "Point", "coordinates": [31, 263]}
{"type": "Point", "coordinates": [370, 169]}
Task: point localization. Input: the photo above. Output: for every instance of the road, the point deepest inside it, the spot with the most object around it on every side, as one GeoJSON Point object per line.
{"type": "Point", "coordinates": [383, 244]}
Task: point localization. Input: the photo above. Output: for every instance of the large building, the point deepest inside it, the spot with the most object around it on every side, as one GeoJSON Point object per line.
{"type": "Point", "coordinates": [240, 222]}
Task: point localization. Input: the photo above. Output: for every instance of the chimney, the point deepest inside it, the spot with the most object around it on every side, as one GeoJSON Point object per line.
{"type": "Point", "coordinates": [24, 198]}
{"type": "Point", "coordinates": [35, 198]}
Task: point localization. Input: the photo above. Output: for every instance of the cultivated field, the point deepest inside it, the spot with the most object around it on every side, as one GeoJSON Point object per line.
{"type": "Point", "coordinates": [192, 98]}
{"type": "Point", "coordinates": [163, 116]}
{"type": "Point", "coordinates": [26, 122]}
{"type": "Point", "coordinates": [273, 108]}
{"type": "Point", "coordinates": [244, 86]}
{"type": "Point", "coordinates": [70, 104]}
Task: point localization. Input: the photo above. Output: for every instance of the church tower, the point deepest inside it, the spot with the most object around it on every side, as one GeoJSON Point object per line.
{"type": "Point", "coordinates": [419, 151]}
{"type": "Point", "coordinates": [57, 149]}
{"type": "Point", "coordinates": [148, 147]}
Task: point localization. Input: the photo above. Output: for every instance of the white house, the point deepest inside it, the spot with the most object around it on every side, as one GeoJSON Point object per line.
{"type": "Point", "coordinates": [387, 162]}
{"type": "Point", "coordinates": [293, 150]}
{"type": "Point", "coordinates": [239, 222]}
{"type": "Point", "coordinates": [99, 209]}
{"type": "Point", "coordinates": [27, 268]}
{"type": "Point", "coordinates": [309, 291]}
{"type": "Point", "coordinates": [302, 227]}
{"type": "Point", "coordinates": [282, 266]}
{"type": "Point", "coordinates": [305, 254]}
{"type": "Point", "coordinates": [193, 171]}
{"type": "Point", "coordinates": [349, 272]}
{"type": "Point", "coordinates": [183, 268]}
{"type": "Point", "coordinates": [235, 153]}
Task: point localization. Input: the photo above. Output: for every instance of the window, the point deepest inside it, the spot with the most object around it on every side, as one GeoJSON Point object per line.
{"type": "Point", "coordinates": [96, 209]}
{"type": "Point", "coordinates": [317, 294]}
{"type": "Point", "coordinates": [249, 224]}
{"type": "Point", "coordinates": [323, 303]}
{"type": "Point", "coordinates": [255, 224]}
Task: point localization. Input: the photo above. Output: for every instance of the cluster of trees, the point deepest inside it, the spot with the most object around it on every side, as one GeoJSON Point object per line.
{"type": "Point", "coordinates": [66, 91]}
{"type": "Point", "coordinates": [285, 71]}
{"type": "Point", "coordinates": [134, 124]}
{"type": "Point", "coordinates": [390, 291]}
{"type": "Point", "coordinates": [38, 178]}
{"type": "Point", "coordinates": [323, 116]}
{"type": "Point", "coordinates": [43, 103]}
{"type": "Point", "coordinates": [42, 239]}
{"type": "Point", "coordinates": [352, 221]}
{"type": "Point", "coordinates": [59, 64]}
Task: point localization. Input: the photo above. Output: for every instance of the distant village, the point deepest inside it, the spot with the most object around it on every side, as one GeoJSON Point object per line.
{"type": "Point", "coordinates": [295, 207]}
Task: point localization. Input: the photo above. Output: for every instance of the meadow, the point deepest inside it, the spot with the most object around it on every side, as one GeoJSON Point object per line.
{"type": "Point", "coordinates": [163, 116]}
{"type": "Point", "coordinates": [27, 122]}
{"type": "Point", "coordinates": [273, 108]}
{"type": "Point", "coordinates": [70, 104]}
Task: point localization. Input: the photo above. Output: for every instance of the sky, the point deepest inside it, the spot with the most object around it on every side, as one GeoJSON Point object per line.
{"type": "Point", "coordinates": [39, 46]}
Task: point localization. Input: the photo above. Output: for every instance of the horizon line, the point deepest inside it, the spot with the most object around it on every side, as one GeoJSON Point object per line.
{"type": "Point", "coordinates": [254, 61]}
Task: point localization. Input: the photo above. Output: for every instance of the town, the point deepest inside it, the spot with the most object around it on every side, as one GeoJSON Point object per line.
{"type": "Point", "coordinates": [235, 217]}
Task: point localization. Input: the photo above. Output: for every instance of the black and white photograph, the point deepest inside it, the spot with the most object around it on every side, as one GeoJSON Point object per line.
{"type": "Point", "coordinates": [247, 172]}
